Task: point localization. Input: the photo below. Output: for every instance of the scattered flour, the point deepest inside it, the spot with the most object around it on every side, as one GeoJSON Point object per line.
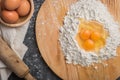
{"type": "Point", "coordinates": [89, 10]}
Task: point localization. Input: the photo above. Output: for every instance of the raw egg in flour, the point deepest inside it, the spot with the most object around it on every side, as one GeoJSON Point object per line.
{"type": "Point", "coordinates": [91, 35]}
{"type": "Point", "coordinates": [85, 34]}
{"type": "Point", "coordinates": [95, 36]}
{"type": "Point", "coordinates": [89, 44]}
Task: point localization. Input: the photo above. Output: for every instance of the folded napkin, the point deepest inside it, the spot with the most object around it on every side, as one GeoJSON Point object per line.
{"type": "Point", "coordinates": [14, 37]}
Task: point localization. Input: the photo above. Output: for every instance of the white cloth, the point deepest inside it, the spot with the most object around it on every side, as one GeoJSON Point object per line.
{"type": "Point", "coordinates": [14, 37]}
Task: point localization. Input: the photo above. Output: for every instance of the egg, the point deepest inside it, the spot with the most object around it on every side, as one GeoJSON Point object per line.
{"type": "Point", "coordinates": [0, 3]}
{"type": "Point", "coordinates": [89, 45]}
{"type": "Point", "coordinates": [10, 16]}
{"type": "Point", "coordinates": [91, 35]}
{"type": "Point", "coordinates": [24, 8]}
{"type": "Point", "coordinates": [85, 34]}
{"type": "Point", "coordinates": [12, 4]}
{"type": "Point", "coordinates": [0, 6]}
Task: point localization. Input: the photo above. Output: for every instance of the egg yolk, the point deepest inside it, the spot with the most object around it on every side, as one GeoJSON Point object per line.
{"type": "Point", "coordinates": [95, 36]}
{"type": "Point", "coordinates": [85, 34]}
{"type": "Point", "coordinates": [91, 35]}
{"type": "Point", "coordinates": [89, 44]}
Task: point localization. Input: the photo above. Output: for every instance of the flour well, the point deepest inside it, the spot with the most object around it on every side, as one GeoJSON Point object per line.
{"type": "Point", "coordinates": [89, 10]}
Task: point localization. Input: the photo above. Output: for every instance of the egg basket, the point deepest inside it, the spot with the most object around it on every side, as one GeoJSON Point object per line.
{"type": "Point", "coordinates": [22, 20]}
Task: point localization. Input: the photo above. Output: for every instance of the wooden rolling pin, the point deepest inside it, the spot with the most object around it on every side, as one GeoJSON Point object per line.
{"type": "Point", "coordinates": [13, 62]}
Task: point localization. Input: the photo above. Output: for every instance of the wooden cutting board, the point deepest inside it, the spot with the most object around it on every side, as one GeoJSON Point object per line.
{"type": "Point", "coordinates": [49, 19]}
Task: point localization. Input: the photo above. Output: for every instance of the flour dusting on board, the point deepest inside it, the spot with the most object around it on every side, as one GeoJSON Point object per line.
{"type": "Point", "coordinates": [88, 10]}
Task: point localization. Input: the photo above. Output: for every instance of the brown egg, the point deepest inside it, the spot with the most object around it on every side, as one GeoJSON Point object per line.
{"type": "Point", "coordinates": [24, 8]}
{"type": "Point", "coordinates": [0, 3]}
{"type": "Point", "coordinates": [10, 16]}
{"type": "Point", "coordinates": [12, 4]}
{"type": "Point", "coordinates": [0, 6]}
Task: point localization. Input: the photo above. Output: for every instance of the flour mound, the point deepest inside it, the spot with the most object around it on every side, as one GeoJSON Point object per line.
{"type": "Point", "coordinates": [89, 10]}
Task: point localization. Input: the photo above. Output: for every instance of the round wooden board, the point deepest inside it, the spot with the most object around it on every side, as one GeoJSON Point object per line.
{"type": "Point", "coordinates": [49, 20]}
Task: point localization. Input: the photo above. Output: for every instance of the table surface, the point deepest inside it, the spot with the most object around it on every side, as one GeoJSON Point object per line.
{"type": "Point", "coordinates": [33, 58]}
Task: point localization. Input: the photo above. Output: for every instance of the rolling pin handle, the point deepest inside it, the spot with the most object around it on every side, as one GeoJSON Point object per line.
{"type": "Point", "coordinates": [9, 57]}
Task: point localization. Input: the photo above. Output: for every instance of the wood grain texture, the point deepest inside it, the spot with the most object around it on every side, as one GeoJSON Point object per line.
{"type": "Point", "coordinates": [49, 20]}
{"type": "Point", "coordinates": [114, 8]}
{"type": "Point", "coordinates": [13, 62]}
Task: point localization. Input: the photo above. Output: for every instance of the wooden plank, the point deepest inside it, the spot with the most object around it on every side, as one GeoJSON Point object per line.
{"type": "Point", "coordinates": [72, 72]}
{"type": "Point", "coordinates": [114, 8]}
{"type": "Point", "coordinates": [49, 20]}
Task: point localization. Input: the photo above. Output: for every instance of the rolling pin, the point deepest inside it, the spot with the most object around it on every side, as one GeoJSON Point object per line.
{"type": "Point", "coordinates": [13, 62]}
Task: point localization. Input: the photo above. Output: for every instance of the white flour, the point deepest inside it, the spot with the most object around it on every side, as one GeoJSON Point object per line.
{"type": "Point", "coordinates": [89, 10]}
